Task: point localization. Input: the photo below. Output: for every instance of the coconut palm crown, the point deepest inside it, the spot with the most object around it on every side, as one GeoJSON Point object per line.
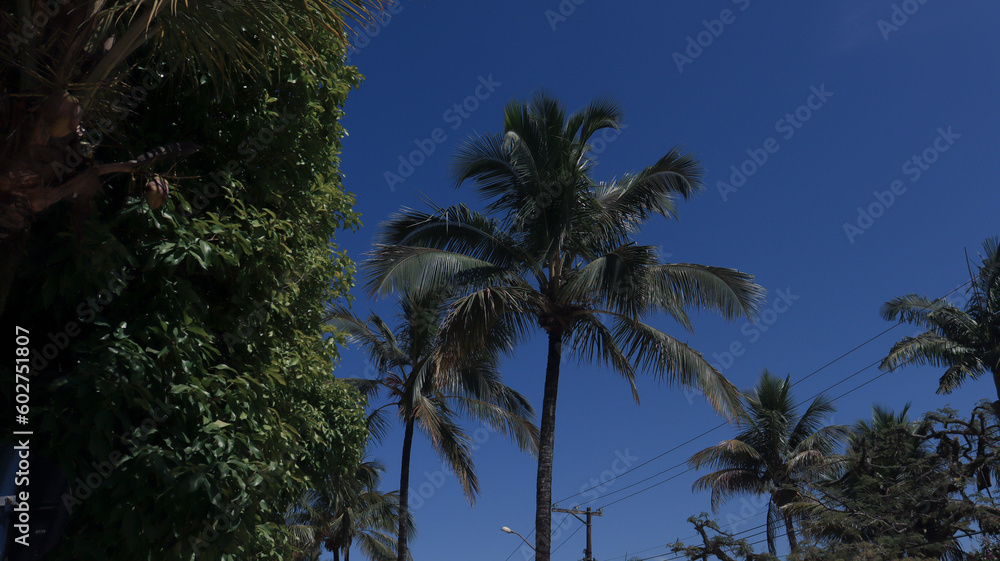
{"type": "Point", "coordinates": [349, 511]}
{"type": "Point", "coordinates": [776, 452]}
{"type": "Point", "coordinates": [555, 250]}
{"type": "Point", "coordinates": [429, 389]}
{"type": "Point", "coordinates": [965, 341]}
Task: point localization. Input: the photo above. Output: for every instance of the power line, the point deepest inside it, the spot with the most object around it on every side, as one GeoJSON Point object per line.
{"type": "Point", "coordinates": [723, 424]}
{"type": "Point", "coordinates": [654, 458]}
{"type": "Point", "coordinates": [673, 467]}
{"type": "Point", "coordinates": [811, 374]}
{"type": "Point", "coordinates": [567, 539]}
{"type": "Point", "coordinates": [734, 534]}
{"type": "Point", "coordinates": [519, 546]}
{"type": "Point", "coordinates": [820, 393]}
{"type": "Point", "coordinates": [679, 555]}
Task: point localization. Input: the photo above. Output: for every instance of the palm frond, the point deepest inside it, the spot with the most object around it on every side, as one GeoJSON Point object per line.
{"type": "Point", "coordinates": [438, 421]}
{"type": "Point", "coordinates": [616, 279]}
{"type": "Point", "coordinates": [676, 362]}
{"type": "Point", "coordinates": [727, 454]}
{"type": "Point", "coordinates": [727, 291]}
{"type": "Point", "coordinates": [727, 483]}
{"type": "Point", "coordinates": [635, 197]}
{"type": "Point", "coordinates": [593, 342]}
{"type": "Point", "coordinates": [417, 270]}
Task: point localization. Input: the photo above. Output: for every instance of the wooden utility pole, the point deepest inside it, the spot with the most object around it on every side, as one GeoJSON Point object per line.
{"type": "Point", "coordinates": [588, 554]}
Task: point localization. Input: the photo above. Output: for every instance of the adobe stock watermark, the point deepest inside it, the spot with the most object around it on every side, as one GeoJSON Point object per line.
{"type": "Point", "coordinates": [593, 489]}
{"type": "Point", "coordinates": [787, 127]}
{"type": "Point", "coordinates": [914, 168]}
{"type": "Point", "coordinates": [597, 486]}
{"type": "Point", "coordinates": [566, 8]}
{"type": "Point", "coordinates": [697, 43]}
{"type": "Point", "coordinates": [899, 17]}
{"type": "Point", "coordinates": [435, 480]}
{"type": "Point", "coordinates": [751, 332]}
{"type": "Point", "coordinates": [426, 147]}
{"type": "Point", "coordinates": [39, 19]}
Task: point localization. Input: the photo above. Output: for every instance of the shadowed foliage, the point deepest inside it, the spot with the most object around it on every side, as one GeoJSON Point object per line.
{"type": "Point", "coordinates": [349, 511]}
{"type": "Point", "coordinates": [69, 86]}
{"type": "Point", "coordinates": [430, 389]}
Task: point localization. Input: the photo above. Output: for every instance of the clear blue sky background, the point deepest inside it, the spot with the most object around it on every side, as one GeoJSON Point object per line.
{"type": "Point", "coordinates": [892, 91]}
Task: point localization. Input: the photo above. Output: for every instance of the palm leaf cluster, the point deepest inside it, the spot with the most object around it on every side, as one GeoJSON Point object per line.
{"type": "Point", "coordinates": [569, 266]}
{"type": "Point", "coordinates": [964, 341]}
{"type": "Point", "coordinates": [431, 390]}
{"type": "Point", "coordinates": [778, 452]}
{"type": "Point", "coordinates": [554, 250]}
{"type": "Point", "coordinates": [349, 511]}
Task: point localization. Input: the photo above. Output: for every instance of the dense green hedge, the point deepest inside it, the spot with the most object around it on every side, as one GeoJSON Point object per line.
{"type": "Point", "coordinates": [194, 400]}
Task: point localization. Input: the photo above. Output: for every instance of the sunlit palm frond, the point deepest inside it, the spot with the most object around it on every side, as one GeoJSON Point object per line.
{"type": "Point", "coordinates": [727, 483]}
{"type": "Point", "coordinates": [635, 197]}
{"type": "Point", "coordinates": [727, 291]}
{"type": "Point", "coordinates": [416, 270]}
{"type": "Point", "coordinates": [593, 342]}
{"type": "Point", "coordinates": [675, 362]}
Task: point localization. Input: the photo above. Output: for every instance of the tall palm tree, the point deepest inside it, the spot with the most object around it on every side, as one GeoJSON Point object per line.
{"type": "Point", "coordinates": [65, 66]}
{"type": "Point", "coordinates": [967, 341]}
{"type": "Point", "coordinates": [559, 255]}
{"type": "Point", "coordinates": [349, 510]}
{"type": "Point", "coordinates": [776, 452]}
{"type": "Point", "coordinates": [429, 389]}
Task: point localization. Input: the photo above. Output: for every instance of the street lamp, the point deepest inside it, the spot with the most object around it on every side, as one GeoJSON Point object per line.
{"type": "Point", "coordinates": [509, 531]}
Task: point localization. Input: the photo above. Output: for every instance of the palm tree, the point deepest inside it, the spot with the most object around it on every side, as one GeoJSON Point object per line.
{"type": "Point", "coordinates": [776, 452]}
{"type": "Point", "coordinates": [560, 255]}
{"type": "Point", "coordinates": [428, 388]}
{"type": "Point", "coordinates": [967, 341]}
{"type": "Point", "coordinates": [65, 65]}
{"type": "Point", "coordinates": [349, 510]}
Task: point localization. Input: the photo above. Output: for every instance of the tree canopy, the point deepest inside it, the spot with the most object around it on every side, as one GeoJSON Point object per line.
{"type": "Point", "coordinates": [182, 373]}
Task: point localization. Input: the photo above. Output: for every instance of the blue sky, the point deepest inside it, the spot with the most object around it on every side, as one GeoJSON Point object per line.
{"type": "Point", "coordinates": [836, 220]}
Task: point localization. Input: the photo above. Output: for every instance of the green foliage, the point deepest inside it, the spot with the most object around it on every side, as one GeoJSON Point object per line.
{"type": "Point", "coordinates": [776, 453]}
{"type": "Point", "coordinates": [203, 376]}
{"type": "Point", "coordinates": [964, 341]}
{"type": "Point", "coordinates": [910, 488]}
{"type": "Point", "coordinates": [556, 251]}
{"type": "Point", "coordinates": [346, 511]}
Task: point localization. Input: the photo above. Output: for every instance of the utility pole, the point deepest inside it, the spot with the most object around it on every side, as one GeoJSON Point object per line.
{"type": "Point", "coordinates": [588, 554]}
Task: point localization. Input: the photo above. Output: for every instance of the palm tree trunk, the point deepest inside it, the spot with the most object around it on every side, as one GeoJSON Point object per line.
{"type": "Point", "coordinates": [793, 542]}
{"type": "Point", "coordinates": [769, 532]}
{"type": "Point", "coordinates": [347, 554]}
{"type": "Point", "coordinates": [336, 554]}
{"type": "Point", "coordinates": [996, 382]}
{"type": "Point", "coordinates": [404, 492]}
{"type": "Point", "coordinates": [546, 445]}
